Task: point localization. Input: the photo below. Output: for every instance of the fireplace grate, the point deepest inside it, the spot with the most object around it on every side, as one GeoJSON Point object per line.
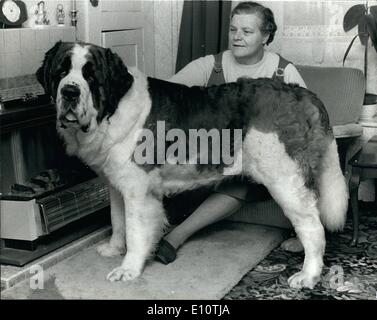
{"type": "Point", "coordinates": [73, 203]}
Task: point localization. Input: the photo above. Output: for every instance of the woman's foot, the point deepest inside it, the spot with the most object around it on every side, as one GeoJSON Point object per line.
{"type": "Point", "coordinates": [215, 208]}
{"type": "Point", "coordinates": [165, 253]}
{"type": "Point", "coordinates": [292, 245]}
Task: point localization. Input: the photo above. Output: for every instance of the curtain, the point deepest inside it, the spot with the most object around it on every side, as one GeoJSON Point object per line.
{"type": "Point", "coordinates": [204, 30]}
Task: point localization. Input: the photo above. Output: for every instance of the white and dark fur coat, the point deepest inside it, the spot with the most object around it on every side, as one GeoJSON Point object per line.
{"type": "Point", "coordinates": [287, 145]}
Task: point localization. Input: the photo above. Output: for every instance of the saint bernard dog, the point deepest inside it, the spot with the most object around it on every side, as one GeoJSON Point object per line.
{"type": "Point", "coordinates": [287, 145]}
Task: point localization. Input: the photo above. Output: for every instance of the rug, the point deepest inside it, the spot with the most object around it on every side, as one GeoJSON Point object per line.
{"type": "Point", "coordinates": [207, 267]}
{"type": "Point", "coordinates": [350, 273]}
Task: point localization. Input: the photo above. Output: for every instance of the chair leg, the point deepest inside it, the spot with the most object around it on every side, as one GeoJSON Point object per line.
{"type": "Point", "coordinates": [343, 145]}
{"type": "Point", "coordinates": [354, 191]}
{"type": "Point", "coordinates": [342, 155]}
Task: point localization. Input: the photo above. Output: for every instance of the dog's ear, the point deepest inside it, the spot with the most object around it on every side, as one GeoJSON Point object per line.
{"type": "Point", "coordinates": [120, 80]}
{"type": "Point", "coordinates": [44, 72]}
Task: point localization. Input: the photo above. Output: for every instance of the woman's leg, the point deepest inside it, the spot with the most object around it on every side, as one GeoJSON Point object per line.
{"type": "Point", "coordinates": [215, 208]}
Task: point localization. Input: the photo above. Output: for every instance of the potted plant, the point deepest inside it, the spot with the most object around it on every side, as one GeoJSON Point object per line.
{"type": "Point", "coordinates": [365, 18]}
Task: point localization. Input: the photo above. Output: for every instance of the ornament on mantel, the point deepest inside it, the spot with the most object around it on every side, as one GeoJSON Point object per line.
{"type": "Point", "coordinates": [60, 15]}
{"type": "Point", "coordinates": [41, 15]}
{"type": "Point", "coordinates": [73, 13]}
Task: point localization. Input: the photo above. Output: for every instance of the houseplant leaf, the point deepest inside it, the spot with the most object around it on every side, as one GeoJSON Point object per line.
{"type": "Point", "coordinates": [362, 30]}
{"type": "Point", "coordinates": [371, 22]}
{"type": "Point", "coordinates": [349, 48]}
{"type": "Point", "coordinates": [353, 16]}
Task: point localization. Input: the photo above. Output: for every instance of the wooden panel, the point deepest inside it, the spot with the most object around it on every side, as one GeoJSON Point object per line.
{"type": "Point", "coordinates": [121, 20]}
{"type": "Point", "coordinates": [137, 47]}
{"type": "Point", "coordinates": [119, 15]}
{"type": "Point", "coordinates": [116, 5]}
{"type": "Point", "coordinates": [128, 44]}
{"type": "Point", "coordinates": [92, 18]}
{"type": "Point", "coordinates": [149, 38]}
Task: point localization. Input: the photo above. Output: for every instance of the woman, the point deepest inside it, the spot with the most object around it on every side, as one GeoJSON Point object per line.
{"type": "Point", "coordinates": [252, 27]}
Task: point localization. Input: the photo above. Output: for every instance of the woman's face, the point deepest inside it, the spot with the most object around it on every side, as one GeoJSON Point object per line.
{"type": "Point", "coordinates": [246, 39]}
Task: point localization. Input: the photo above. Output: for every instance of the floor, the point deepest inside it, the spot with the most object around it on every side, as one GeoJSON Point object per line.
{"type": "Point", "coordinates": [350, 273]}
{"type": "Point", "coordinates": [207, 267]}
{"type": "Point", "coordinates": [267, 280]}
{"type": "Point", "coordinates": [12, 275]}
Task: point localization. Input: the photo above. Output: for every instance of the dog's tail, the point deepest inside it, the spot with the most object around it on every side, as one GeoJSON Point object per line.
{"type": "Point", "coordinates": [333, 197]}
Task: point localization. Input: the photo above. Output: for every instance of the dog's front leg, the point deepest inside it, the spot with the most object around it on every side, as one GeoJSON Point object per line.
{"type": "Point", "coordinates": [117, 244]}
{"type": "Point", "coordinates": [145, 220]}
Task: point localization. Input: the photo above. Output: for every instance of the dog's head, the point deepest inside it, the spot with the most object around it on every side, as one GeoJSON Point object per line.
{"type": "Point", "coordinates": [86, 82]}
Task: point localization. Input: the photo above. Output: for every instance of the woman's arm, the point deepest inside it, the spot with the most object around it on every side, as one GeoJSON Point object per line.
{"type": "Point", "coordinates": [196, 73]}
{"type": "Point", "coordinates": [291, 75]}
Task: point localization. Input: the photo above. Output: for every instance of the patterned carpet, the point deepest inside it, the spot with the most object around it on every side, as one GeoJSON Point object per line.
{"type": "Point", "coordinates": [349, 273]}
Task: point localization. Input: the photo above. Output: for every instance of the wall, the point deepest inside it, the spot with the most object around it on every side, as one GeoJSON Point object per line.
{"type": "Point", "coordinates": [50, 8]}
{"type": "Point", "coordinates": [315, 36]}
{"type": "Point", "coordinates": [22, 49]}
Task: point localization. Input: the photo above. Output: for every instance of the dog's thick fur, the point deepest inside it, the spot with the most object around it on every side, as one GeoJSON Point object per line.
{"type": "Point", "coordinates": [287, 145]}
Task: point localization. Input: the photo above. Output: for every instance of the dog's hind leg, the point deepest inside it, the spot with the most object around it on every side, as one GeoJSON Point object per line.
{"type": "Point", "coordinates": [265, 160]}
{"type": "Point", "coordinates": [300, 206]}
{"type": "Point", "coordinates": [117, 244]}
{"type": "Point", "coordinates": [145, 220]}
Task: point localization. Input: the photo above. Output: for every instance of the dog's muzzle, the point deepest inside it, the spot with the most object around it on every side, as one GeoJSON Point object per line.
{"type": "Point", "coordinates": [70, 97]}
{"type": "Point", "coordinates": [71, 94]}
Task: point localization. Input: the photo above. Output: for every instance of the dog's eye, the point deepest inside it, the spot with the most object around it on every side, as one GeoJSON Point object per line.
{"type": "Point", "coordinates": [88, 72]}
{"type": "Point", "coordinates": [63, 74]}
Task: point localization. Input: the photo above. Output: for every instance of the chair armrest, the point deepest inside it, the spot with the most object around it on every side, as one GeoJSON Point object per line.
{"type": "Point", "coordinates": [347, 130]}
{"type": "Point", "coordinates": [341, 90]}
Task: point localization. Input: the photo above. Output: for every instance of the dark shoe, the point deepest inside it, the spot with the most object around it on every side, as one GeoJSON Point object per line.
{"type": "Point", "coordinates": [165, 253]}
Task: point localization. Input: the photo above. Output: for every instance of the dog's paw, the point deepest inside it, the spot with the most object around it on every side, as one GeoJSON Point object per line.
{"type": "Point", "coordinates": [108, 250]}
{"type": "Point", "coordinates": [292, 245]}
{"type": "Point", "coordinates": [123, 273]}
{"type": "Point", "coordinates": [302, 280]}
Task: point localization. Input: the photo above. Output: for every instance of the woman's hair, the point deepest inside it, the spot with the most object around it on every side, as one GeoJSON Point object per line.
{"type": "Point", "coordinates": [265, 14]}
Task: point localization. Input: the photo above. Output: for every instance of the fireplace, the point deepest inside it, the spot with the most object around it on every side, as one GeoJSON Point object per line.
{"type": "Point", "coordinates": [47, 198]}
